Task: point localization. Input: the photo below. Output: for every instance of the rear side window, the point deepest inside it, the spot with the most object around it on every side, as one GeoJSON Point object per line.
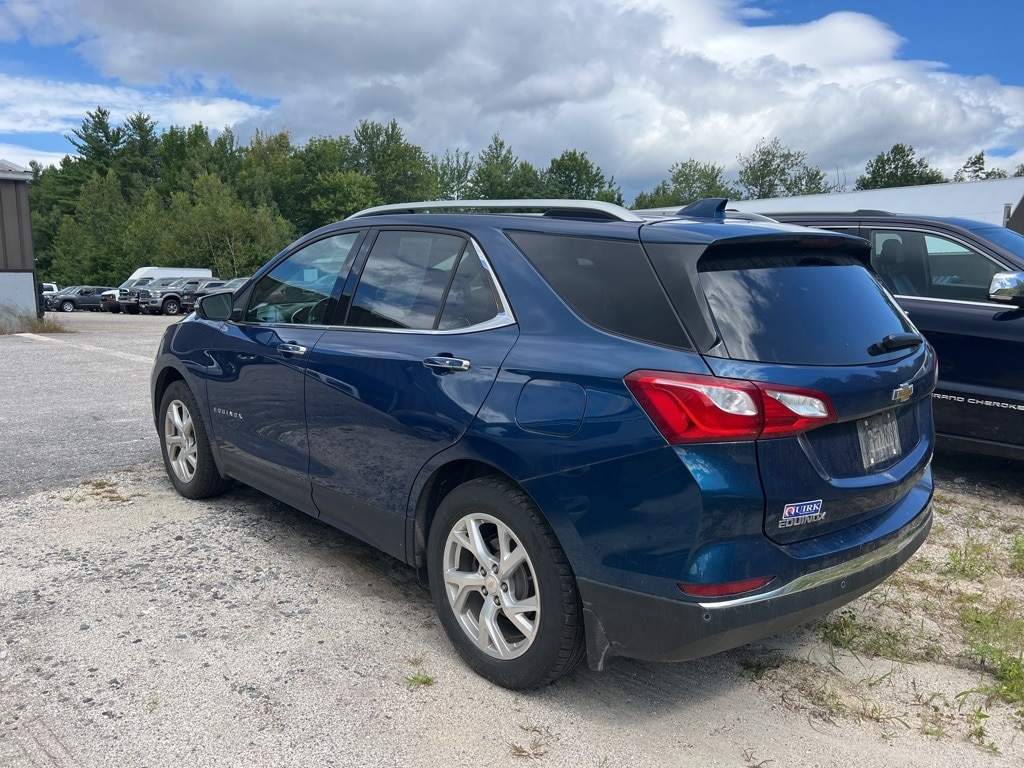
{"type": "Point", "coordinates": [796, 306]}
{"type": "Point", "coordinates": [609, 283]}
{"type": "Point", "coordinates": [405, 279]}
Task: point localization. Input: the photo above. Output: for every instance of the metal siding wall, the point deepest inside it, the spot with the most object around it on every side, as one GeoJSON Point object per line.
{"type": "Point", "coordinates": [16, 250]}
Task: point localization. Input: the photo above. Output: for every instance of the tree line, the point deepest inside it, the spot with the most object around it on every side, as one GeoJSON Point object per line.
{"type": "Point", "coordinates": [133, 195]}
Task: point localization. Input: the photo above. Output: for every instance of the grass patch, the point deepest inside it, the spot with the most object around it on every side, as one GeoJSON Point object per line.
{"type": "Point", "coordinates": [1017, 554]}
{"type": "Point", "coordinates": [970, 560]}
{"type": "Point", "coordinates": [756, 667]}
{"type": "Point", "coordinates": [996, 637]}
{"type": "Point", "coordinates": [860, 636]}
{"type": "Point", "coordinates": [13, 320]}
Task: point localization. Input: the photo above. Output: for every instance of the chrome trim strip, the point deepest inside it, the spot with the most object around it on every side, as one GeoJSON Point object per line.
{"type": "Point", "coordinates": [836, 572]}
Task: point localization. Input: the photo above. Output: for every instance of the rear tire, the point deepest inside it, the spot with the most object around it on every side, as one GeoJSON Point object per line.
{"type": "Point", "coordinates": [185, 446]}
{"type": "Point", "coordinates": [502, 586]}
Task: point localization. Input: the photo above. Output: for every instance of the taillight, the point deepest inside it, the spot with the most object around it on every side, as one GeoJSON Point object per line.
{"type": "Point", "coordinates": [688, 408]}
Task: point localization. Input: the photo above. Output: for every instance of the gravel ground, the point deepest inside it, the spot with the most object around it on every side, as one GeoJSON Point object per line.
{"type": "Point", "coordinates": [138, 628]}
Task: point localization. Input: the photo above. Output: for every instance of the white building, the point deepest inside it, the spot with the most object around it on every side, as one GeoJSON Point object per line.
{"type": "Point", "coordinates": [997, 201]}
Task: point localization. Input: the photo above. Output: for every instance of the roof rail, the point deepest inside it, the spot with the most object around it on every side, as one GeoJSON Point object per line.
{"type": "Point", "coordinates": [588, 208]}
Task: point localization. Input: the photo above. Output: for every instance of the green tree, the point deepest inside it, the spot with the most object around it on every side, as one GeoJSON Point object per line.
{"type": "Point", "coordinates": [330, 182]}
{"type": "Point", "coordinates": [137, 160]}
{"type": "Point", "coordinates": [773, 170]}
{"type": "Point", "coordinates": [97, 141]}
{"type": "Point", "coordinates": [269, 174]}
{"type": "Point", "coordinates": [690, 180]}
{"type": "Point", "coordinates": [574, 176]}
{"type": "Point", "coordinates": [87, 247]}
{"type": "Point", "coordinates": [401, 171]}
{"type": "Point", "coordinates": [454, 172]}
{"type": "Point", "coordinates": [974, 169]}
{"type": "Point", "coordinates": [898, 168]}
{"type": "Point", "coordinates": [492, 175]}
{"type": "Point", "coordinates": [211, 227]}
{"type": "Point", "coordinates": [339, 194]}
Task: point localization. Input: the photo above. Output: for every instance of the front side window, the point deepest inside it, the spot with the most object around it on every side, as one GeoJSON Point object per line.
{"type": "Point", "coordinates": [300, 288]}
{"type": "Point", "coordinates": [917, 264]}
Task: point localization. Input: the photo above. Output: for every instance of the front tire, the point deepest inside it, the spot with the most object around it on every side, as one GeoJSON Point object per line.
{"type": "Point", "coordinates": [67, 306]}
{"type": "Point", "coordinates": [171, 307]}
{"type": "Point", "coordinates": [502, 586]}
{"type": "Point", "coordinates": [185, 446]}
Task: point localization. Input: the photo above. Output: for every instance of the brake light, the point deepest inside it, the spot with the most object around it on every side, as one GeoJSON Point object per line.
{"type": "Point", "coordinates": [689, 408]}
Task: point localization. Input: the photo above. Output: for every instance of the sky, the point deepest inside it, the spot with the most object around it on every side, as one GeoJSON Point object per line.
{"type": "Point", "coordinates": [636, 84]}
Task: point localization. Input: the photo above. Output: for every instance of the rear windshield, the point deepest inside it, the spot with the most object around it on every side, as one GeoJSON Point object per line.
{"type": "Point", "coordinates": [808, 308]}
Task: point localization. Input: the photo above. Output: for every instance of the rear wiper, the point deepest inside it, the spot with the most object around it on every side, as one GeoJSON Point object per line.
{"type": "Point", "coordinates": [895, 341]}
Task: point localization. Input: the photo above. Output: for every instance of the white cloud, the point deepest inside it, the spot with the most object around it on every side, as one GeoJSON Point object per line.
{"type": "Point", "coordinates": [637, 84]}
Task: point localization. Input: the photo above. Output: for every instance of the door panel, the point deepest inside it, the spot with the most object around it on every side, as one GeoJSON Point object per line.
{"type": "Point", "coordinates": [377, 413]}
{"type": "Point", "coordinates": [256, 380]}
{"type": "Point", "coordinates": [980, 348]}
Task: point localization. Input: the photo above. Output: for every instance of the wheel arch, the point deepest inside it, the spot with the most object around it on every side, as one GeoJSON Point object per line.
{"type": "Point", "coordinates": [161, 382]}
{"type": "Point", "coordinates": [442, 481]}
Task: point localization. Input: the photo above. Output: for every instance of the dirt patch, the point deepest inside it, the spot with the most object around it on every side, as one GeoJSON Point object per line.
{"type": "Point", "coordinates": [139, 628]}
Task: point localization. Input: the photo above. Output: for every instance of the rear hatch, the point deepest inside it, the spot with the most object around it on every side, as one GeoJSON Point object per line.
{"type": "Point", "coordinates": [801, 320]}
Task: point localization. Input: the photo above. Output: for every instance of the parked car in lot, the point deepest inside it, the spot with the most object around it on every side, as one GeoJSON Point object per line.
{"type": "Point", "coordinates": [76, 297]}
{"type": "Point", "coordinates": [962, 283]}
{"type": "Point", "coordinates": [590, 433]}
{"type": "Point", "coordinates": [166, 298]}
{"type": "Point", "coordinates": [189, 295]}
{"type": "Point", "coordinates": [143, 277]}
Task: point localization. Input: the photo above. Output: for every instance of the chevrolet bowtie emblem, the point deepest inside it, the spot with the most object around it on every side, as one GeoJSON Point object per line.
{"type": "Point", "coordinates": [902, 393]}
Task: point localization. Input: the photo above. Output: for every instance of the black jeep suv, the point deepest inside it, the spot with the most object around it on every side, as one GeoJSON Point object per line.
{"type": "Point", "coordinates": [962, 283]}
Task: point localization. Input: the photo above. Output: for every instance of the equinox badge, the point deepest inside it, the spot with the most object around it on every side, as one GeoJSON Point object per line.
{"type": "Point", "coordinates": [902, 393]}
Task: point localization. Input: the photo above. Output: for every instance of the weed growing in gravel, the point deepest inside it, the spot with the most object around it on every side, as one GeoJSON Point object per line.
{"type": "Point", "coordinates": [845, 630]}
{"type": "Point", "coordinates": [751, 761]}
{"type": "Point", "coordinates": [976, 720]}
{"type": "Point", "coordinates": [420, 679]}
{"type": "Point", "coordinates": [755, 667]}
{"type": "Point", "coordinates": [971, 560]}
{"type": "Point", "coordinates": [13, 320]}
{"type": "Point", "coordinates": [996, 637]}
{"type": "Point", "coordinates": [1017, 554]}
{"type": "Point", "coordinates": [537, 746]}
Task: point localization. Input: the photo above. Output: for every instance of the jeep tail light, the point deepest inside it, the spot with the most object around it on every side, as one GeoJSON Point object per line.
{"type": "Point", "coordinates": [689, 408]}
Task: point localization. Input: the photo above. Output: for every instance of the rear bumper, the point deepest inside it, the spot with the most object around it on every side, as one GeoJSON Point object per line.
{"type": "Point", "coordinates": [622, 622]}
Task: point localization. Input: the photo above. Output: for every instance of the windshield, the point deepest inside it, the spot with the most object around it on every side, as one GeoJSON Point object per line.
{"type": "Point", "coordinates": [1007, 238]}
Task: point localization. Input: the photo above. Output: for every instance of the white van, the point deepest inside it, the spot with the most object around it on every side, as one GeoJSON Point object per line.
{"type": "Point", "coordinates": [155, 272]}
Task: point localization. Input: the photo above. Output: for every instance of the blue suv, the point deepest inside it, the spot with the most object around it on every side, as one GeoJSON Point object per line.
{"type": "Point", "coordinates": [591, 433]}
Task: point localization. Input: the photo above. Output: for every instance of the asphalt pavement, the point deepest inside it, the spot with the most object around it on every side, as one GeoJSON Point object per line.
{"type": "Point", "coordinates": [76, 403]}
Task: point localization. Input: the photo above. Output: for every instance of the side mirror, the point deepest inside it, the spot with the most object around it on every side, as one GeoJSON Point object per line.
{"type": "Point", "coordinates": [1007, 288]}
{"type": "Point", "coordinates": [215, 306]}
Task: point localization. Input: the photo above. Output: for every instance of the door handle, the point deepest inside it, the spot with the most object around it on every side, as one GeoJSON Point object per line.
{"type": "Point", "coordinates": [291, 349]}
{"type": "Point", "coordinates": [447, 363]}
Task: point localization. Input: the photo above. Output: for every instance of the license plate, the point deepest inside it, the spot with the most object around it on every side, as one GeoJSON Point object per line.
{"type": "Point", "coordinates": [879, 439]}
